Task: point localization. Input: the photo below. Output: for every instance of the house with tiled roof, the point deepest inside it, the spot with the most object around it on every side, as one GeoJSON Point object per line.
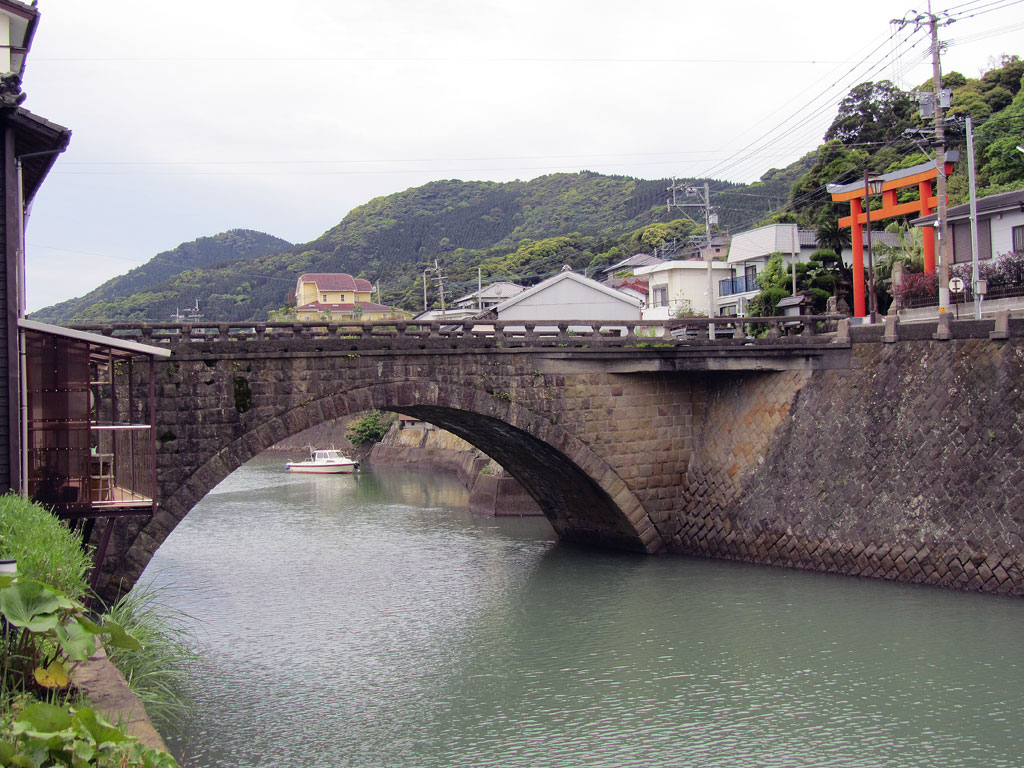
{"type": "Point", "coordinates": [337, 296]}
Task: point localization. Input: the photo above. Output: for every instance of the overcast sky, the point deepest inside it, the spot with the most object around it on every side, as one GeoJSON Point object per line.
{"type": "Point", "coordinates": [190, 118]}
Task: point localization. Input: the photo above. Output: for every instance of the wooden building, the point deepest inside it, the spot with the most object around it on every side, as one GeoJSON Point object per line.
{"type": "Point", "coordinates": [30, 146]}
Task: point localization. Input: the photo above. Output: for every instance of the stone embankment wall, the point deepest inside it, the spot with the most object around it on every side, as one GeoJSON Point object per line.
{"type": "Point", "coordinates": [330, 433]}
{"type": "Point", "coordinates": [909, 466]}
{"type": "Point", "coordinates": [492, 490]}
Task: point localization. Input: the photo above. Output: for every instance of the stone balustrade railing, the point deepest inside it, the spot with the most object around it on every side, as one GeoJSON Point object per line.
{"type": "Point", "coordinates": [808, 329]}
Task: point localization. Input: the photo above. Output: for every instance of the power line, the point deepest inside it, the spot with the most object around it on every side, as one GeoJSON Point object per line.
{"type": "Point", "coordinates": [754, 146]}
{"type": "Point", "coordinates": [276, 60]}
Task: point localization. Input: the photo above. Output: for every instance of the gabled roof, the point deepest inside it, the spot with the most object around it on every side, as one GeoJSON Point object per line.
{"type": "Point", "coordinates": [636, 260]}
{"type": "Point", "coordinates": [987, 206]}
{"type": "Point", "coordinates": [560, 277]}
{"type": "Point", "coordinates": [496, 290]}
{"type": "Point", "coordinates": [336, 281]}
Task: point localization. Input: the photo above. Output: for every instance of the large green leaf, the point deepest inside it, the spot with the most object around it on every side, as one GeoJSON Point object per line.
{"type": "Point", "coordinates": [42, 719]}
{"type": "Point", "coordinates": [100, 730]}
{"type": "Point", "coordinates": [84, 751]}
{"type": "Point", "coordinates": [75, 640]}
{"type": "Point", "coordinates": [22, 761]}
{"type": "Point", "coordinates": [117, 637]}
{"type": "Point", "coordinates": [30, 604]}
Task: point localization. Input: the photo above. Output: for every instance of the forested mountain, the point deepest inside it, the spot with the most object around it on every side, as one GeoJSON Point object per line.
{"type": "Point", "coordinates": [133, 294]}
{"type": "Point", "coordinates": [526, 230]}
{"type": "Point", "coordinates": [519, 230]}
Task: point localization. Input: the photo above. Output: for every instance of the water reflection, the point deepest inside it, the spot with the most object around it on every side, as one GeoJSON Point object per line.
{"type": "Point", "coordinates": [374, 622]}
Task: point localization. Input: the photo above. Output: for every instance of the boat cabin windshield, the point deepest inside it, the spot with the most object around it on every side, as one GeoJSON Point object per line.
{"type": "Point", "coordinates": [327, 456]}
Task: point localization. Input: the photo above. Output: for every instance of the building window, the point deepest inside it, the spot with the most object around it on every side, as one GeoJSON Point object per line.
{"type": "Point", "coordinates": [1017, 235]}
{"type": "Point", "coordinates": [323, 298]}
{"type": "Point", "coordinates": [660, 294]}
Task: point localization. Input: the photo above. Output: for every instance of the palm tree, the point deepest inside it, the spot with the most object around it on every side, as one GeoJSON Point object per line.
{"type": "Point", "coordinates": [831, 236]}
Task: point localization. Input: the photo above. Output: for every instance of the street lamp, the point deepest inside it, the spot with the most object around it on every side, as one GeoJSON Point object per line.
{"type": "Point", "coordinates": [871, 186]}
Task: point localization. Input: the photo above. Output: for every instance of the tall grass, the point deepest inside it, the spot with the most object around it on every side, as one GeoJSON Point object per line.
{"type": "Point", "coordinates": [46, 549]}
{"type": "Point", "coordinates": [158, 673]}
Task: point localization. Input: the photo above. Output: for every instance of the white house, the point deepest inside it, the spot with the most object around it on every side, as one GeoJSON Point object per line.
{"type": "Point", "coordinates": [681, 285]}
{"type": "Point", "coordinates": [749, 253]}
{"type": "Point", "coordinates": [488, 296]}
{"type": "Point", "coordinates": [568, 296]}
{"type": "Point", "coordinates": [1000, 226]}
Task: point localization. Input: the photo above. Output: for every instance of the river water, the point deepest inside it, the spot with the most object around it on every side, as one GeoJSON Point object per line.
{"type": "Point", "coordinates": [371, 621]}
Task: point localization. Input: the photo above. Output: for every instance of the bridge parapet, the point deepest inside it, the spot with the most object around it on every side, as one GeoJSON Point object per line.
{"type": "Point", "coordinates": [809, 330]}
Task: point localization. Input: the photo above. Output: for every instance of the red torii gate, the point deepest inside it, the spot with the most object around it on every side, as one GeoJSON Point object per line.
{"type": "Point", "coordinates": [921, 175]}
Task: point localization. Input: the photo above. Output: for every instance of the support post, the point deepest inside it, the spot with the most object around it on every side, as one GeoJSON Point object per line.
{"type": "Point", "coordinates": [857, 243]}
{"type": "Point", "coordinates": [928, 233]}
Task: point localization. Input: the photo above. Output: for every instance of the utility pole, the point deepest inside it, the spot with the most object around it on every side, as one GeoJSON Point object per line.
{"type": "Point", "coordinates": [440, 285]}
{"type": "Point", "coordinates": [944, 249]}
{"type": "Point", "coordinates": [710, 217]}
{"type": "Point", "coordinates": [975, 272]}
{"type": "Point", "coordinates": [940, 167]}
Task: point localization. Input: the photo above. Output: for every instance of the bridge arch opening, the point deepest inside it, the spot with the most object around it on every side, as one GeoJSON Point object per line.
{"type": "Point", "coordinates": [576, 505]}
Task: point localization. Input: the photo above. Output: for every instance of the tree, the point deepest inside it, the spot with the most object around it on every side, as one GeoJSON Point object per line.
{"type": "Point", "coordinates": [831, 236]}
{"type": "Point", "coordinates": [872, 113]}
{"type": "Point", "coordinates": [371, 428]}
{"type": "Point", "coordinates": [774, 282]}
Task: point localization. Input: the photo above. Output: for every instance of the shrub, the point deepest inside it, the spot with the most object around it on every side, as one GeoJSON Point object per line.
{"type": "Point", "coordinates": [1004, 271]}
{"type": "Point", "coordinates": [368, 429]}
{"type": "Point", "coordinates": [45, 548]}
{"type": "Point", "coordinates": [917, 286]}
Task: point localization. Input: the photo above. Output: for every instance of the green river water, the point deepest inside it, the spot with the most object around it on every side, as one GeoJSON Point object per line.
{"type": "Point", "coordinates": [370, 620]}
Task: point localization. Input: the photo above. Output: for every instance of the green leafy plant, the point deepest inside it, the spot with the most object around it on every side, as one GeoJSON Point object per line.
{"type": "Point", "coordinates": [371, 428]}
{"type": "Point", "coordinates": [46, 633]}
{"type": "Point", "coordinates": [46, 735]}
{"type": "Point", "coordinates": [45, 548]}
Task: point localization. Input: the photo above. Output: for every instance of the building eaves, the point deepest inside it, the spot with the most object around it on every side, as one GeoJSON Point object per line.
{"type": "Point", "coordinates": [95, 339]}
{"type": "Point", "coordinates": [37, 144]}
{"type": "Point", "coordinates": [987, 206]}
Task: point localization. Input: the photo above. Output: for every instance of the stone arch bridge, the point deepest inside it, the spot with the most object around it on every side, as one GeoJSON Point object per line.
{"type": "Point", "coordinates": [597, 424]}
{"type": "Point", "coordinates": [647, 437]}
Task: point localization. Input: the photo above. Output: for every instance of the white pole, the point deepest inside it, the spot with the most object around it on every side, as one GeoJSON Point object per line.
{"type": "Point", "coordinates": [975, 275]}
{"type": "Point", "coordinates": [792, 246]}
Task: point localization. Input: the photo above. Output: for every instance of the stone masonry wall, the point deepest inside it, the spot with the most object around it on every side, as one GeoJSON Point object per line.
{"type": "Point", "coordinates": [909, 466]}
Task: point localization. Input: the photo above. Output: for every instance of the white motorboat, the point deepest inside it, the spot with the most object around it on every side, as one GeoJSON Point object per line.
{"type": "Point", "coordinates": [325, 462]}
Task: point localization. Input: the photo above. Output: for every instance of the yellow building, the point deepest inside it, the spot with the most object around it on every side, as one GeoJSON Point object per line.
{"type": "Point", "coordinates": [336, 296]}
